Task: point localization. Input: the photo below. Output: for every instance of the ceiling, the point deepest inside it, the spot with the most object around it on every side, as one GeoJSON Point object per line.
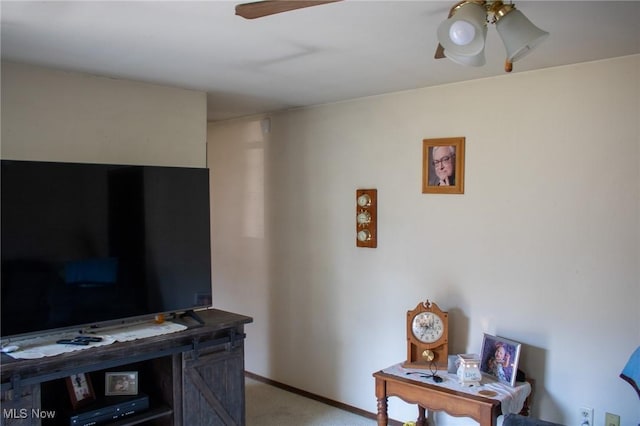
{"type": "Point", "coordinates": [316, 55]}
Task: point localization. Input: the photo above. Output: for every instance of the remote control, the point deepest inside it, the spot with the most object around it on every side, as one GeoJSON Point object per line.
{"type": "Point", "coordinates": [89, 338]}
{"type": "Point", "coordinates": [73, 342]}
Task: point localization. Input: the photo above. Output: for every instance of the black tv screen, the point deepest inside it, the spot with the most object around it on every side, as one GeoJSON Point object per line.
{"type": "Point", "coordinates": [86, 244]}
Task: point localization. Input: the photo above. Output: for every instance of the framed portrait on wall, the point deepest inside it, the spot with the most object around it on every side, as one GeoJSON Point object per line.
{"type": "Point", "coordinates": [500, 358]}
{"type": "Point", "coordinates": [443, 166]}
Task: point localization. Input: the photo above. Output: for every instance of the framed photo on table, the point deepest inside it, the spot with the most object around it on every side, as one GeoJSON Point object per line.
{"type": "Point", "coordinates": [121, 383]}
{"type": "Point", "coordinates": [500, 358]}
{"type": "Point", "coordinates": [443, 166]}
{"type": "Point", "coordinates": [80, 390]}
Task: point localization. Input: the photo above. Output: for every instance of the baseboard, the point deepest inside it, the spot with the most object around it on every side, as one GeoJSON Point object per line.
{"type": "Point", "coordinates": [318, 398]}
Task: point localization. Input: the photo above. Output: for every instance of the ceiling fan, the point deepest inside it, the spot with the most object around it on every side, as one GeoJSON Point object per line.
{"type": "Point", "coordinates": [462, 35]}
{"type": "Point", "coordinates": [258, 9]}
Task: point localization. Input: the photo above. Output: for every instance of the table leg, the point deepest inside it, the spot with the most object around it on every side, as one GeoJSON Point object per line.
{"type": "Point", "coordinates": [422, 418]}
{"type": "Point", "coordinates": [381, 395]}
{"type": "Point", "coordinates": [383, 418]}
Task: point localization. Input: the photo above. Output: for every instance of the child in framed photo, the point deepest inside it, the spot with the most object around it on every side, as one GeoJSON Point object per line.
{"type": "Point", "coordinates": [500, 358]}
{"type": "Point", "coordinates": [121, 383]}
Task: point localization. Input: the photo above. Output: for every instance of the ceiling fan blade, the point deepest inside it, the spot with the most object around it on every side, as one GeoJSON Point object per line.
{"type": "Point", "coordinates": [259, 9]}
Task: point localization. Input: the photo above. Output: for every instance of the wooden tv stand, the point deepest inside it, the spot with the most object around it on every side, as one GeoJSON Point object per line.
{"type": "Point", "coordinates": [189, 376]}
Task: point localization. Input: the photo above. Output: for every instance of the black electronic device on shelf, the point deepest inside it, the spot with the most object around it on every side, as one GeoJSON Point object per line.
{"type": "Point", "coordinates": [85, 245]}
{"type": "Point", "coordinates": [109, 410]}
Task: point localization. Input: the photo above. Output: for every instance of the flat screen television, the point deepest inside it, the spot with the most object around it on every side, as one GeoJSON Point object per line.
{"type": "Point", "coordinates": [92, 244]}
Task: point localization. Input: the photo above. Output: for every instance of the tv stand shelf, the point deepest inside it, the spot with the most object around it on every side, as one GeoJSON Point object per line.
{"type": "Point", "coordinates": [195, 374]}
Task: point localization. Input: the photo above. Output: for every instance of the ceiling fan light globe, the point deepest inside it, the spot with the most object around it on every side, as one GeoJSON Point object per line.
{"type": "Point", "coordinates": [519, 35]}
{"type": "Point", "coordinates": [469, 61]}
{"type": "Point", "coordinates": [462, 32]}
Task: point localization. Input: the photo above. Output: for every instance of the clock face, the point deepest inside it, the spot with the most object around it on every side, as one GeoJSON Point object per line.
{"type": "Point", "coordinates": [364, 235]}
{"type": "Point", "coordinates": [364, 217]}
{"type": "Point", "coordinates": [427, 327]}
{"type": "Point", "coordinates": [364, 200]}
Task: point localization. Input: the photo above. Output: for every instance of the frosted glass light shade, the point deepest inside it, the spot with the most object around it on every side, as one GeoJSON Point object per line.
{"type": "Point", "coordinates": [519, 35]}
{"type": "Point", "coordinates": [472, 61]}
{"type": "Point", "coordinates": [453, 33]}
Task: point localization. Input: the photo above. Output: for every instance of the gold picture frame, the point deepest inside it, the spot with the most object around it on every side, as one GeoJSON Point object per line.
{"type": "Point", "coordinates": [443, 166]}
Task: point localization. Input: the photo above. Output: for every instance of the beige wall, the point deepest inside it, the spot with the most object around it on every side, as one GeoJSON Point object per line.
{"type": "Point", "coordinates": [61, 116]}
{"type": "Point", "coordinates": [543, 247]}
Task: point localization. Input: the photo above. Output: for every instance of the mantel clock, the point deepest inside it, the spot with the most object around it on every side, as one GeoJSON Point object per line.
{"type": "Point", "coordinates": [427, 337]}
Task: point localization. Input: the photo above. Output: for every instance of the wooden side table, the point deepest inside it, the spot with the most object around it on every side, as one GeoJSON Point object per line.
{"type": "Point", "coordinates": [433, 397]}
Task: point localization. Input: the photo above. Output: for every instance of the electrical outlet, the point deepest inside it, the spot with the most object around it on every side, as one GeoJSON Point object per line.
{"type": "Point", "coordinates": [586, 416]}
{"type": "Point", "coordinates": [611, 420]}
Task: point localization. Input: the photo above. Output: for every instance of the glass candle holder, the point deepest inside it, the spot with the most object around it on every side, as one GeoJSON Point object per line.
{"type": "Point", "coordinates": [469, 370]}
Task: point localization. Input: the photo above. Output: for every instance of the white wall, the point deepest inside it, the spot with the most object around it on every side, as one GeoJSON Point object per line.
{"type": "Point", "coordinates": [53, 115]}
{"type": "Point", "coordinates": [543, 247]}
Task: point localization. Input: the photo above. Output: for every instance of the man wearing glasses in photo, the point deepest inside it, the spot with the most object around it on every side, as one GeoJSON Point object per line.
{"type": "Point", "coordinates": [443, 159]}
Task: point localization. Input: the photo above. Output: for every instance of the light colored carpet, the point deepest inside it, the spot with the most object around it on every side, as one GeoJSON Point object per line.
{"type": "Point", "coordinates": [268, 405]}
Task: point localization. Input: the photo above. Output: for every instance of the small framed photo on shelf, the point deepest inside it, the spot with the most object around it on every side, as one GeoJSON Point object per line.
{"type": "Point", "coordinates": [500, 358]}
{"type": "Point", "coordinates": [443, 166]}
{"type": "Point", "coordinates": [121, 383]}
{"type": "Point", "coordinates": [80, 390]}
